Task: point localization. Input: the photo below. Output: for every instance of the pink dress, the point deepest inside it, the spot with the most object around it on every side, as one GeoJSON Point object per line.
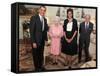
{"type": "Point", "coordinates": [55, 32]}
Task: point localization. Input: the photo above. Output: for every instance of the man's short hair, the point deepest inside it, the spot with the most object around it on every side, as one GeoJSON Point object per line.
{"type": "Point", "coordinates": [42, 6]}
{"type": "Point", "coordinates": [87, 15]}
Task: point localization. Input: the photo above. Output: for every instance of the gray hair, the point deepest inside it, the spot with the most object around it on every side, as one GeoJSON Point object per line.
{"type": "Point", "coordinates": [87, 15]}
{"type": "Point", "coordinates": [56, 18]}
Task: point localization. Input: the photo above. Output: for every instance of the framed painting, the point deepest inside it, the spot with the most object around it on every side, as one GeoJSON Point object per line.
{"type": "Point", "coordinates": [52, 37]}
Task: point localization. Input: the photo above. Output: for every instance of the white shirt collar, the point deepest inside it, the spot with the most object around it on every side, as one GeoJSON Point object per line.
{"type": "Point", "coordinates": [87, 23]}
{"type": "Point", "coordinates": [40, 16]}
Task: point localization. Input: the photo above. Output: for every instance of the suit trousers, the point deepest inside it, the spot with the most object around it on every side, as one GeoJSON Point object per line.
{"type": "Point", "coordinates": [37, 53]}
{"type": "Point", "coordinates": [84, 44]}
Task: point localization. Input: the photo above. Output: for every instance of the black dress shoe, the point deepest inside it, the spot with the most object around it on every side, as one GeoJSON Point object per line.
{"type": "Point", "coordinates": [40, 69]}
{"type": "Point", "coordinates": [43, 69]}
{"type": "Point", "coordinates": [37, 70]}
{"type": "Point", "coordinates": [79, 61]}
{"type": "Point", "coordinates": [88, 59]}
{"type": "Point", "coordinates": [55, 63]}
{"type": "Point", "coordinates": [69, 67]}
{"type": "Point", "coordinates": [65, 64]}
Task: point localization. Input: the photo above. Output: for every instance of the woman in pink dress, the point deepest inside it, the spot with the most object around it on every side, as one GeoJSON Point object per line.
{"type": "Point", "coordinates": [55, 33]}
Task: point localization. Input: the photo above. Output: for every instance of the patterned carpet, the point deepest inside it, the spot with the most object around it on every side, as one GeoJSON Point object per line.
{"type": "Point", "coordinates": [26, 61]}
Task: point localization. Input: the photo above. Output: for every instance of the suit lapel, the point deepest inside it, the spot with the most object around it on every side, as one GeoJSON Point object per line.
{"type": "Point", "coordinates": [39, 20]}
{"type": "Point", "coordinates": [89, 25]}
{"type": "Point", "coordinates": [84, 26]}
{"type": "Point", "coordinates": [44, 22]}
{"type": "Point", "coordinates": [40, 24]}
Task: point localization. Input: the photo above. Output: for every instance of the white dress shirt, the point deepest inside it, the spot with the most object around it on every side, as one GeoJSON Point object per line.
{"type": "Point", "coordinates": [69, 26]}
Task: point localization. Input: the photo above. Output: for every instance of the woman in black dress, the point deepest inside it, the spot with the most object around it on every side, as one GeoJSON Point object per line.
{"type": "Point", "coordinates": [69, 42]}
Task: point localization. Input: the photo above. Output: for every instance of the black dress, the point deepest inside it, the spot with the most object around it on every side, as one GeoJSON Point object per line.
{"type": "Point", "coordinates": [69, 48]}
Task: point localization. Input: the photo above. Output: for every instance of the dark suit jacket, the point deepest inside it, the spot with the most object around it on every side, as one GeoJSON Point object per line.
{"type": "Point", "coordinates": [36, 32]}
{"type": "Point", "coordinates": [83, 33]}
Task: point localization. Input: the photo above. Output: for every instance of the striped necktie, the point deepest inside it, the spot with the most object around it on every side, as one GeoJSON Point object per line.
{"type": "Point", "coordinates": [86, 27]}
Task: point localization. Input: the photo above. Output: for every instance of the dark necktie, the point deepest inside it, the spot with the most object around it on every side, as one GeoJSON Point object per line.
{"type": "Point", "coordinates": [86, 27]}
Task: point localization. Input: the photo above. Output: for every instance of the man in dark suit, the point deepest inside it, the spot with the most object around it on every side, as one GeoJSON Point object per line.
{"type": "Point", "coordinates": [85, 30]}
{"type": "Point", "coordinates": [38, 33]}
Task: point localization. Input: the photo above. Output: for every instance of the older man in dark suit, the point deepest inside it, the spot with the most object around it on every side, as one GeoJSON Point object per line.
{"type": "Point", "coordinates": [38, 33]}
{"type": "Point", "coordinates": [85, 30]}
